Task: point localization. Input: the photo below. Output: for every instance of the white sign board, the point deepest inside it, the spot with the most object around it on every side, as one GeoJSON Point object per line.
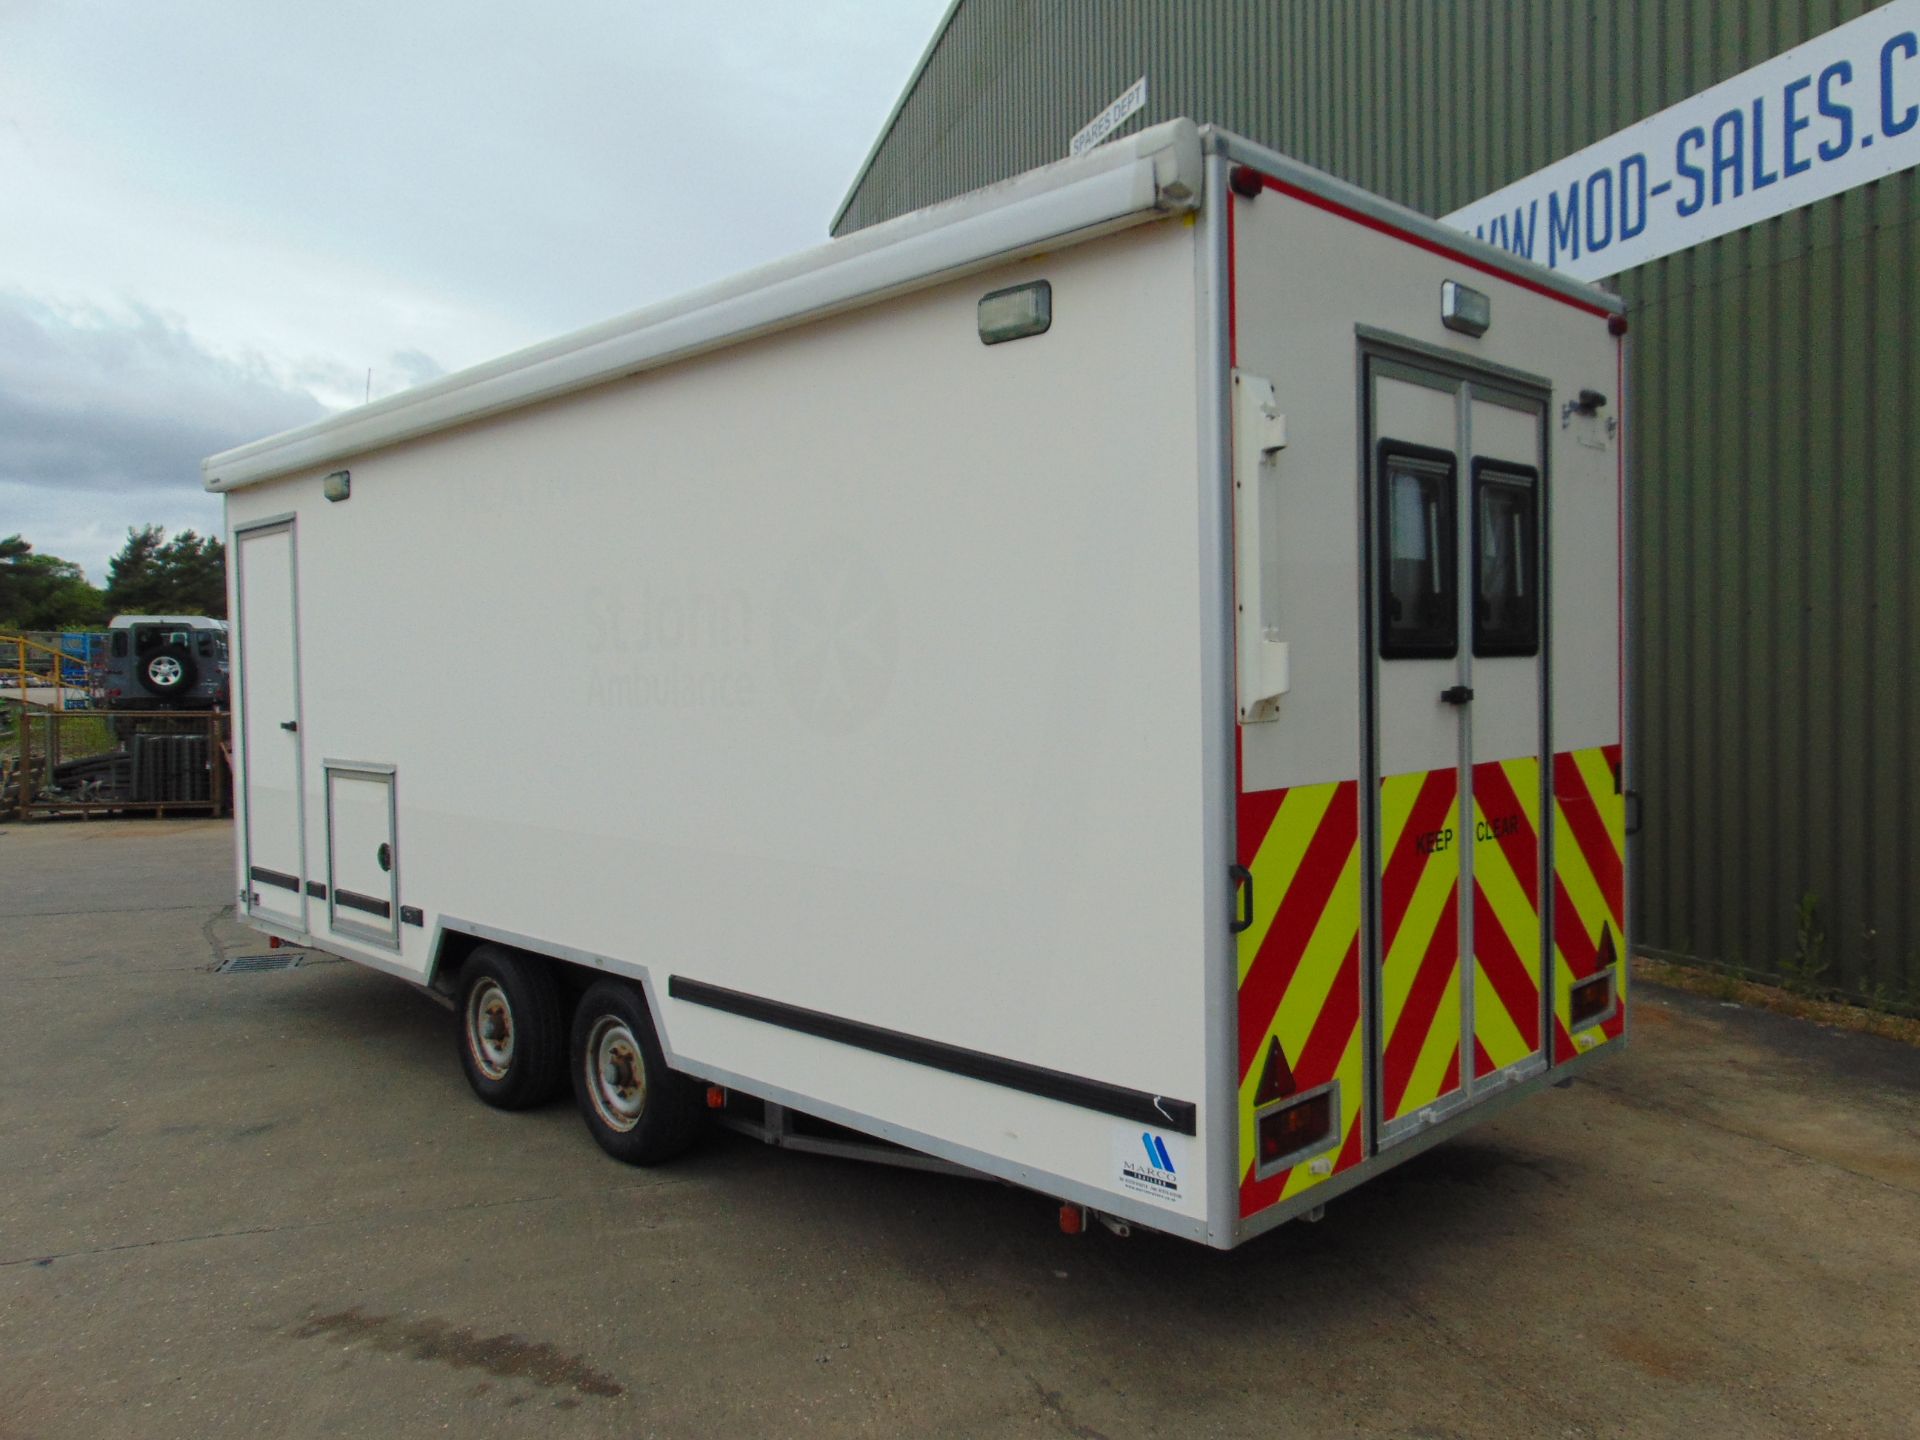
{"type": "Point", "coordinates": [1133, 98]}
{"type": "Point", "coordinates": [1820, 118]}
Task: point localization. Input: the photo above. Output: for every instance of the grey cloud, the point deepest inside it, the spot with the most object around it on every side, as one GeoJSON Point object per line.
{"type": "Point", "coordinates": [415, 367]}
{"type": "Point", "coordinates": [345, 384]}
{"type": "Point", "coordinates": [97, 402]}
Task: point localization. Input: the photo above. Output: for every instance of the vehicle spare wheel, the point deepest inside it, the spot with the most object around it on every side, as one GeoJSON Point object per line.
{"type": "Point", "coordinates": [169, 671]}
{"type": "Point", "coordinates": [639, 1111]}
{"type": "Point", "coordinates": [513, 1037]}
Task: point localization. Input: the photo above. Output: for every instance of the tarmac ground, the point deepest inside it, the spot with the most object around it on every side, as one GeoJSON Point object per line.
{"type": "Point", "coordinates": [265, 1204]}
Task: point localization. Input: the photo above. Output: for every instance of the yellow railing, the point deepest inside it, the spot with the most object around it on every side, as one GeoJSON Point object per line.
{"type": "Point", "coordinates": [15, 651]}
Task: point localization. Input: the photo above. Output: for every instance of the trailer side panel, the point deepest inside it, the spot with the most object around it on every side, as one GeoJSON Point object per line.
{"type": "Point", "coordinates": [854, 671]}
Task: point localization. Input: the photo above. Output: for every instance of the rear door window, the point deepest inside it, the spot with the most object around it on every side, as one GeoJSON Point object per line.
{"type": "Point", "coordinates": [1419, 554]}
{"type": "Point", "coordinates": [1506, 560]}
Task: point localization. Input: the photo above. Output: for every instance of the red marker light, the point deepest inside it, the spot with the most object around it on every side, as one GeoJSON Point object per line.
{"type": "Point", "coordinates": [1590, 999]}
{"type": "Point", "coordinates": [1305, 1124]}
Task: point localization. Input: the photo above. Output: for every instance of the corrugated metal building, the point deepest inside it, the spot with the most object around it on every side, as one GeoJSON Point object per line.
{"type": "Point", "coordinates": [1772, 414]}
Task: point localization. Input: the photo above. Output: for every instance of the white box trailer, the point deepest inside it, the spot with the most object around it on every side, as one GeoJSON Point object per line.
{"type": "Point", "coordinates": [1114, 682]}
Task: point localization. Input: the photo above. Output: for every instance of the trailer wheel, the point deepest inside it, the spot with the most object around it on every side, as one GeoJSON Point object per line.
{"type": "Point", "coordinates": [512, 1028]}
{"type": "Point", "coordinates": [638, 1110]}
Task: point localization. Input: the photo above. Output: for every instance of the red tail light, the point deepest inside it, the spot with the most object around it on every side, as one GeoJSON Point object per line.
{"type": "Point", "coordinates": [1590, 999]}
{"type": "Point", "coordinates": [1303, 1125]}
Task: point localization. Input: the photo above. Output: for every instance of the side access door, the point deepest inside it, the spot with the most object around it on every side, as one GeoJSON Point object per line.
{"type": "Point", "coordinates": [363, 871]}
{"type": "Point", "coordinates": [1455, 672]}
{"type": "Point", "coordinates": [268, 693]}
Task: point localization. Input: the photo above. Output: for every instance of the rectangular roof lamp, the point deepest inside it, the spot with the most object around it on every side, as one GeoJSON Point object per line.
{"type": "Point", "coordinates": [1017, 312]}
{"type": "Point", "coordinates": [1464, 309]}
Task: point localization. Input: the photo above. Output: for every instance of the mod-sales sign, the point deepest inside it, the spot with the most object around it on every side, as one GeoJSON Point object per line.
{"type": "Point", "coordinates": [1823, 117]}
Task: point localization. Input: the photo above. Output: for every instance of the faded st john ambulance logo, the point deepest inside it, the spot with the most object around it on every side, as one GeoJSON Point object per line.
{"type": "Point", "coordinates": [836, 636]}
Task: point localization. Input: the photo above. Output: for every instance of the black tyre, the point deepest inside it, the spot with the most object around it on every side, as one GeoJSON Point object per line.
{"type": "Point", "coordinates": [639, 1111]}
{"type": "Point", "coordinates": [168, 672]}
{"type": "Point", "coordinates": [513, 1029]}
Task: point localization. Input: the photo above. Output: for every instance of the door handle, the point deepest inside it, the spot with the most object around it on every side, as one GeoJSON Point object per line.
{"type": "Point", "coordinates": [1457, 694]}
{"type": "Point", "coordinates": [293, 725]}
{"type": "Point", "coordinates": [384, 855]}
{"type": "Point", "coordinates": [1243, 882]}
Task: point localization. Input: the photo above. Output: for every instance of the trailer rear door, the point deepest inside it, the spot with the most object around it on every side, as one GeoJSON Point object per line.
{"type": "Point", "coordinates": [1457, 724]}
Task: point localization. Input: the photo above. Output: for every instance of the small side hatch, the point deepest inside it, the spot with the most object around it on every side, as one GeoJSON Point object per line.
{"type": "Point", "coordinates": [363, 860]}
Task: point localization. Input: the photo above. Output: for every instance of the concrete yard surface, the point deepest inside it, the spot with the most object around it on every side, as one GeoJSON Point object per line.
{"type": "Point", "coordinates": [266, 1204]}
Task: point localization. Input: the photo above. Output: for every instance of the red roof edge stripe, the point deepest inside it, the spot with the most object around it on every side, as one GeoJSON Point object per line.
{"type": "Point", "coordinates": [1347, 212]}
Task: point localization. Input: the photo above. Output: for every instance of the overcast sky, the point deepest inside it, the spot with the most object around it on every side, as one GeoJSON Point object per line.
{"type": "Point", "coordinates": [217, 215]}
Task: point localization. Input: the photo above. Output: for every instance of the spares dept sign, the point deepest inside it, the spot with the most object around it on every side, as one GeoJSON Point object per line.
{"type": "Point", "coordinates": [1820, 118]}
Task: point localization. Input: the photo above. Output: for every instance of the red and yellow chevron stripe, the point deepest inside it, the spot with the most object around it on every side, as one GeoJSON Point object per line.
{"type": "Point", "coordinates": [1589, 888]}
{"type": "Point", "coordinates": [1420, 939]}
{"type": "Point", "coordinates": [1506, 913]}
{"type": "Point", "coordinates": [1300, 981]}
{"type": "Point", "coordinates": [1301, 985]}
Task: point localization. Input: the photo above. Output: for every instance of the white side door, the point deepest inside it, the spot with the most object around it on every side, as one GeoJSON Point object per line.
{"type": "Point", "coordinates": [268, 659]}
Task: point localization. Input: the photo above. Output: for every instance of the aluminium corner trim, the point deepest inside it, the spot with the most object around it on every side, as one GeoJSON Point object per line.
{"type": "Point", "coordinates": [1213, 285]}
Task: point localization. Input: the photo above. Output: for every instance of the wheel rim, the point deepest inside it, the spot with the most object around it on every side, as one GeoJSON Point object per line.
{"type": "Point", "coordinates": [490, 1029]}
{"type": "Point", "coordinates": [616, 1073]}
{"type": "Point", "coordinates": [164, 670]}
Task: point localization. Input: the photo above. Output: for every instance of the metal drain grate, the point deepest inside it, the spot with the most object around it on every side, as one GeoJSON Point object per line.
{"type": "Point", "coordinates": [253, 964]}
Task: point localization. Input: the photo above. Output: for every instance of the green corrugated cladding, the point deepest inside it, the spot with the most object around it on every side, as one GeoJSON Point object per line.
{"type": "Point", "coordinates": [1776, 464]}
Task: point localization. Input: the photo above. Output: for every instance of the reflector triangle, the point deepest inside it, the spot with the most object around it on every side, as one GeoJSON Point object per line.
{"type": "Point", "coordinates": [1607, 955]}
{"type": "Point", "coordinates": [1276, 1078]}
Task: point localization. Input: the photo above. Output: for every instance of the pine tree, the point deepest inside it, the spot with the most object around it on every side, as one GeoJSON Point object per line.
{"type": "Point", "coordinates": [153, 575]}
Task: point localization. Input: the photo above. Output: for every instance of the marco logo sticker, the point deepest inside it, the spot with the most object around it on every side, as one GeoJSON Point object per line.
{"type": "Point", "coordinates": [1147, 1167]}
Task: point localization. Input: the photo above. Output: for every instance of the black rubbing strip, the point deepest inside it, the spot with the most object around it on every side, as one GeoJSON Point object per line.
{"type": "Point", "coordinates": [351, 901]}
{"type": "Point", "coordinates": [317, 890]}
{"type": "Point", "coordinates": [275, 877]}
{"type": "Point", "coordinates": [1139, 1106]}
